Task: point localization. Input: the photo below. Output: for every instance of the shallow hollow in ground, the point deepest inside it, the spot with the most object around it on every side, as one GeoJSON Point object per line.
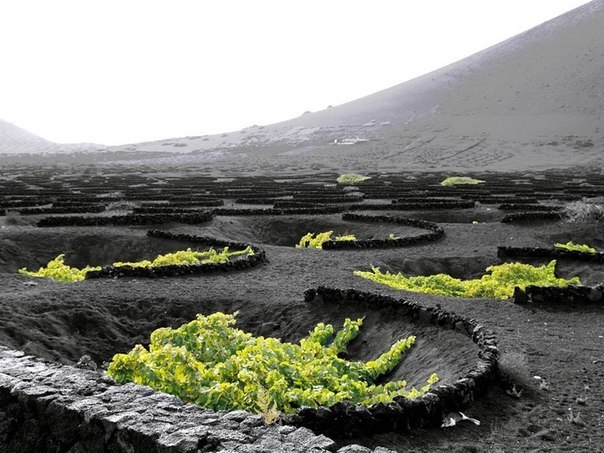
{"type": "Point", "coordinates": [288, 230]}
{"type": "Point", "coordinates": [88, 322]}
{"type": "Point", "coordinates": [467, 268]}
{"type": "Point", "coordinates": [480, 214]}
{"type": "Point", "coordinates": [95, 246]}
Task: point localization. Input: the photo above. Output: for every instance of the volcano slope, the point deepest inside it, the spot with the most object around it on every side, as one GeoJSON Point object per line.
{"type": "Point", "coordinates": [562, 343]}
{"type": "Point", "coordinates": [533, 101]}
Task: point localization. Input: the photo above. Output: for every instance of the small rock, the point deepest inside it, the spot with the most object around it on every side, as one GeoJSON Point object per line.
{"type": "Point", "coordinates": [286, 429]}
{"type": "Point", "coordinates": [86, 363]}
{"type": "Point", "coordinates": [237, 416]}
{"type": "Point", "coordinates": [595, 295]}
{"type": "Point", "coordinates": [545, 434]}
{"type": "Point", "coordinates": [354, 449]}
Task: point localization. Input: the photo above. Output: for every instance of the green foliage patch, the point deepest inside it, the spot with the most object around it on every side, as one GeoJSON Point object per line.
{"type": "Point", "coordinates": [57, 269]}
{"type": "Point", "coordinates": [352, 178]}
{"type": "Point", "coordinates": [570, 245]}
{"type": "Point", "coordinates": [497, 283]}
{"type": "Point", "coordinates": [457, 180]}
{"type": "Point", "coordinates": [211, 363]}
{"type": "Point", "coordinates": [316, 240]}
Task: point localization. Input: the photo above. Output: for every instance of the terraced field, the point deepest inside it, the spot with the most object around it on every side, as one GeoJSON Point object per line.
{"type": "Point", "coordinates": [487, 353]}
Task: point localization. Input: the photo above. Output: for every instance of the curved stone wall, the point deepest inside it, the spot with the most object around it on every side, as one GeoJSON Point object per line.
{"type": "Point", "coordinates": [129, 219]}
{"type": "Point", "coordinates": [244, 262]}
{"type": "Point", "coordinates": [553, 253]}
{"type": "Point", "coordinates": [531, 217]}
{"type": "Point", "coordinates": [349, 420]}
{"type": "Point", "coordinates": [556, 296]}
{"type": "Point", "coordinates": [435, 233]}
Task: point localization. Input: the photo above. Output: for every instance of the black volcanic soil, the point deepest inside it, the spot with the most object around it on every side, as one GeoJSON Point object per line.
{"type": "Point", "coordinates": [562, 345]}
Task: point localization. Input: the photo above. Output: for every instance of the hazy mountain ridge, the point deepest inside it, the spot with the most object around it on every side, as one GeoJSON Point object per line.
{"type": "Point", "coordinates": [534, 100]}
{"type": "Point", "coordinates": [15, 141]}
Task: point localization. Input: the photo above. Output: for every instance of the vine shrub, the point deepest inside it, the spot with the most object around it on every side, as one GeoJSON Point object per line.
{"type": "Point", "coordinates": [58, 270]}
{"type": "Point", "coordinates": [497, 283]}
{"type": "Point", "coordinates": [576, 247]}
{"type": "Point", "coordinates": [211, 363]}
{"type": "Point", "coordinates": [352, 178]}
{"type": "Point", "coordinates": [315, 241]}
{"type": "Point", "coordinates": [189, 257]}
{"type": "Point", "coordinates": [456, 180]}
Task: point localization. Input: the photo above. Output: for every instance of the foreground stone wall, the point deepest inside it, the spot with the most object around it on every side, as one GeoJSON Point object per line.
{"type": "Point", "coordinates": [48, 407]}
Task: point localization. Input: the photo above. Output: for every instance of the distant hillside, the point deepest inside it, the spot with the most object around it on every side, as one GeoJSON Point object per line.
{"type": "Point", "coordinates": [14, 141]}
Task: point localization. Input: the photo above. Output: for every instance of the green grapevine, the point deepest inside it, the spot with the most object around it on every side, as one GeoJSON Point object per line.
{"type": "Point", "coordinates": [497, 283]}
{"type": "Point", "coordinates": [189, 257]}
{"type": "Point", "coordinates": [58, 270]}
{"type": "Point", "coordinates": [211, 363]}
{"type": "Point", "coordinates": [352, 178]}
{"type": "Point", "coordinates": [315, 241]}
{"type": "Point", "coordinates": [455, 180]}
{"type": "Point", "coordinates": [576, 247]}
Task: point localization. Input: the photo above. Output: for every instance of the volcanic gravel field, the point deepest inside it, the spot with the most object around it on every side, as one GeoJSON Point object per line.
{"type": "Point", "coordinates": [99, 215]}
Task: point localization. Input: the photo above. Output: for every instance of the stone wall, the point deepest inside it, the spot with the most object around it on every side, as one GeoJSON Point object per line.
{"type": "Point", "coordinates": [435, 232]}
{"type": "Point", "coordinates": [46, 407]}
{"type": "Point", "coordinates": [552, 253]}
{"type": "Point", "coordinates": [531, 217]}
{"type": "Point", "coordinates": [128, 219]}
{"type": "Point", "coordinates": [241, 263]}
{"type": "Point", "coordinates": [349, 420]}
{"type": "Point", "coordinates": [556, 296]}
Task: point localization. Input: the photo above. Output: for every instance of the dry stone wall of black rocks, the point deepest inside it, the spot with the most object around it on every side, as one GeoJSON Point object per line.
{"type": "Point", "coordinates": [128, 219]}
{"type": "Point", "coordinates": [489, 199]}
{"type": "Point", "coordinates": [450, 204]}
{"type": "Point", "coordinates": [49, 407]}
{"type": "Point", "coordinates": [435, 232]}
{"type": "Point", "coordinates": [557, 296]}
{"type": "Point", "coordinates": [374, 207]}
{"type": "Point", "coordinates": [238, 264]}
{"type": "Point", "coordinates": [552, 253]}
{"type": "Point", "coordinates": [182, 203]}
{"type": "Point", "coordinates": [286, 204]}
{"type": "Point", "coordinates": [261, 201]}
{"type": "Point", "coordinates": [527, 207]}
{"type": "Point", "coordinates": [318, 198]}
{"type": "Point", "coordinates": [15, 204]}
{"type": "Point", "coordinates": [520, 217]}
{"type": "Point", "coordinates": [319, 210]}
{"type": "Point", "coordinates": [63, 210]}
{"type": "Point", "coordinates": [349, 420]}
{"type": "Point", "coordinates": [167, 210]}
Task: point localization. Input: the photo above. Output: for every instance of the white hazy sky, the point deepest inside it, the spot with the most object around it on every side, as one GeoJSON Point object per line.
{"type": "Point", "coordinates": [126, 71]}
